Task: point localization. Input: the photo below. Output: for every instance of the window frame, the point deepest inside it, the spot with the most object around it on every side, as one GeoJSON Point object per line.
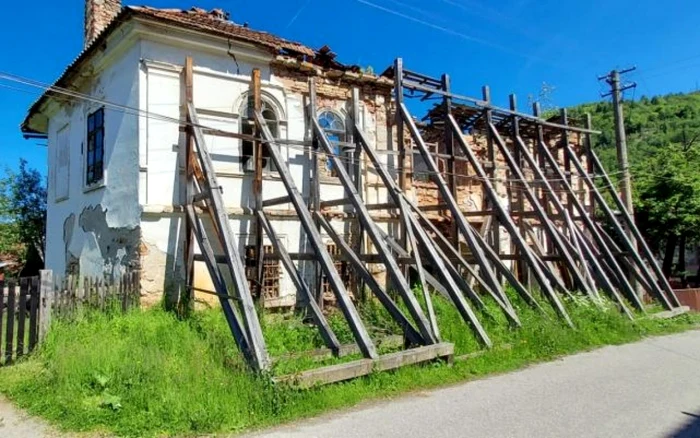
{"type": "Point", "coordinates": [341, 135]}
{"type": "Point", "coordinates": [92, 133]}
{"type": "Point", "coordinates": [247, 127]}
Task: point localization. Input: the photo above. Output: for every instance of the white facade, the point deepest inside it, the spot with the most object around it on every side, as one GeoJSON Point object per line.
{"type": "Point", "coordinates": [133, 217]}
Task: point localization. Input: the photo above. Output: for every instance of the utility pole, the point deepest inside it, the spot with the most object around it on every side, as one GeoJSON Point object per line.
{"type": "Point", "coordinates": [616, 90]}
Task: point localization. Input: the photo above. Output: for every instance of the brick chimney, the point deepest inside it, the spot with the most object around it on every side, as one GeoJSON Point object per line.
{"type": "Point", "coordinates": [98, 14]}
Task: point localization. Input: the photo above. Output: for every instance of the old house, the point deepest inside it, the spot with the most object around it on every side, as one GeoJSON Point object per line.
{"type": "Point", "coordinates": [115, 167]}
{"type": "Point", "coordinates": [116, 144]}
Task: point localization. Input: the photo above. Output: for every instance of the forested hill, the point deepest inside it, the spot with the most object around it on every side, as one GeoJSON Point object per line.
{"type": "Point", "coordinates": [663, 137]}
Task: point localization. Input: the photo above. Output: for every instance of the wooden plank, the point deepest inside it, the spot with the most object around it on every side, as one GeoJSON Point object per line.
{"type": "Point", "coordinates": [46, 298]}
{"type": "Point", "coordinates": [385, 299]}
{"type": "Point", "coordinates": [276, 201]}
{"type": "Point", "coordinates": [392, 267]}
{"type": "Point", "coordinates": [34, 313]}
{"type": "Point", "coordinates": [349, 310]}
{"type": "Point", "coordinates": [321, 354]}
{"type": "Point", "coordinates": [668, 314]}
{"type": "Point", "coordinates": [21, 315]}
{"type": "Point", "coordinates": [324, 328]}
{"type": "Point", "coordinates": [363, 367]}
{"type": "Point", "coordinates": [235, 264]}
{"type": "Point", "coordinates": [464, 226]}
{"type": "Point", "coordinates": [10, 322]}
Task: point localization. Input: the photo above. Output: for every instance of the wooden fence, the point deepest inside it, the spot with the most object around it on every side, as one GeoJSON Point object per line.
{"type": "Point", "coordinates": [28, 305]}
{"type": "Point", "coordinates": [19, 317]}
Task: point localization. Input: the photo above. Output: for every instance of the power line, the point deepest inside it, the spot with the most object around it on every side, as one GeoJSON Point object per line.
{"type": "Point", "coordinates": [451, 31]}
{"type": "Point", "coordinates": [290, 144]}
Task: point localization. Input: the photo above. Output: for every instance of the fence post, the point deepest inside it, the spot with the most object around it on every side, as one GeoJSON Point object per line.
{"type": "Point", "coordinates": [46, 297]}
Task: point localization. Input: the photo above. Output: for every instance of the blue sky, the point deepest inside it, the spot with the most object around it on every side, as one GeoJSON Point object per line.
{"type": "Point", "coordinates": [513, 46]}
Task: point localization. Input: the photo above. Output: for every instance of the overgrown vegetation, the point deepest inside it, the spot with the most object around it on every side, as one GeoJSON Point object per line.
{"type": "Point", "coordinates": [663, 136]}
{"type": "Point", "coordinates": [147, 373]}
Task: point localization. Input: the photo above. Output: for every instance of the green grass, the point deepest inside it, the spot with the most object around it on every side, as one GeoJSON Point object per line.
{"type": "Point", "coordinates": [147, 373]}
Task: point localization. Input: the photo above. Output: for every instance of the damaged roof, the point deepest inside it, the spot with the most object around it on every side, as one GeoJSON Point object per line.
{"type": "Point", "coordinates": [215, 22]}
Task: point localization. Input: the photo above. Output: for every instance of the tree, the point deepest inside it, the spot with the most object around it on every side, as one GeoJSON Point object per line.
{"type": "Point", "coordinates": [664, 154]}
{"type": "Point", "coordinates": [23, 210]}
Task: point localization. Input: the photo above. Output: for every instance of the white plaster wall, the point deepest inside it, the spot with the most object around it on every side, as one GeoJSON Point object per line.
{"type": "Point", "coordinates": [220, 87]}
{"type": "Point", "coordinates": [116, 83]}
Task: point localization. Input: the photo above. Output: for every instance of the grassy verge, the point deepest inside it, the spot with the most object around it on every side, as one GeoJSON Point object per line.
{"type": "Point", "coordinates": [147, 373]}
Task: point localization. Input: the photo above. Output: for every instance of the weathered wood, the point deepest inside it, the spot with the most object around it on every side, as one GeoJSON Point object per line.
{"type": "Point", "coordinates": [276, 201]}
{"type": "Point", "coordinates": [10, 322]}
{"type": "Point", "coordinates": [21, 315]}
{"type": "Point", "coordinates": [660, 277]}
{"type": "Point", "coordinates": [409, 331]}
{"type": "Point", "coordinates": [363, 367]}
{"type": "Point", "coordinates": [321, 354]}
{"type": "Point", "coordinates": [324, 329]}
{"type": "Point", "coordinates": [504, 218]}
{"type": "Point", "coordinates": [464, 226]}
{"type": "Point", "coordinates": [235, 265]}
{"type": "Point", "coordinates": [668, 314]}
{"type": "Point", "coordinates": [314, 237]}
{"type": "Point", "coordinates": [392, 267]}
{"type": "Point", "coordinates": [426, 244]}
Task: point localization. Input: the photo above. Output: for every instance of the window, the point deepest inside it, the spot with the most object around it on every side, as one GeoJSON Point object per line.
{"type": "Point", "coordinates": [340, 266]}
{"type": "Point", "coordinates": [334, 127]}
{"type": "Point", "coordinates": [94, 170]}
{"type": "Point", "coordinates": [271, 271]}
{"type": "Point", "coordinates": [247, 127]}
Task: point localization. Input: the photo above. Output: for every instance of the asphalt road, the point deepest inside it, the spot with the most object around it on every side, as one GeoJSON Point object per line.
{"type": "Point", "coordinates": [648, 389]}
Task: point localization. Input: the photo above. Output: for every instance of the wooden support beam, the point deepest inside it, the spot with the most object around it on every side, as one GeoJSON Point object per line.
{"type": "Point", "coordinates": [638, 235]}
{"type": "Point", "coordinates": [276, 201]}
{"type": "Point", "coordinates": [426, 244]}
{"type": "Point", "coordinates": [326, 262]}
{"type": "Point", "coordinates": [554, 237]}
{"type": "Point", "coordinates": [465, 228]}
{"type": "Point", "coordinates": [188, 159]}
{"type": "Point", "coordinates": [325, 330]}
{"type": "Point", "coordinates": [547, 158]}
{"type": "Point", "coordinates": [234, 263]}
{"type": "Point", "coordinates": [409, 331]}
{"type": "Point", "coordinates": [393, 269]}
{"type": "Point", "coordinates": [504, 218]}
{"type": "Point", "coordinates": [359, 368]}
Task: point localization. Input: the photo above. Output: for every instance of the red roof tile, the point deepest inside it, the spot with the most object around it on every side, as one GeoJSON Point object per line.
{"type": "Point", "coordinates": [214, 22]}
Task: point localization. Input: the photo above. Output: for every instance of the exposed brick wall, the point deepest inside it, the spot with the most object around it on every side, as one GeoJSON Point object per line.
{"type": "Point", "coordinates": [98, 14]}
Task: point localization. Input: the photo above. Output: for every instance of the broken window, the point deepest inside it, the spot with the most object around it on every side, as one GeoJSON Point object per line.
{"type": "Point", "coordinates": [340, 266]}
{"type": "Point", "coordinates": [334, 127]}
{"type": "Point", "coordinates": [247, 127]}
{"type": "Point", "coordinates": [271, 271]}
{"type": "Point", "coordinates": [94, 169]}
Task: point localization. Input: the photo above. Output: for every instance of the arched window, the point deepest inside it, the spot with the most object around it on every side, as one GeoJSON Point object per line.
{"type": "Point", "coordinates": [247, 127]}
{"type": "Point", "coordinates": [334, 127]}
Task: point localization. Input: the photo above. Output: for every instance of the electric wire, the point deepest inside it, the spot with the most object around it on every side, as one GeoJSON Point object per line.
{"type": "Point", "coordinates": [291, 144]}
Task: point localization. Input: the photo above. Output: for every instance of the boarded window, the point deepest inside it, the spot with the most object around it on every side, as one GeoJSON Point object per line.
{"type": "Point", "coordinates": [61, 182]}
{"type": "Point", "coordinates": [340, 266]}
{"type": "Point", "coordinates": [94, 169]}
{"type": "Point", "coordinates": [271, 271]}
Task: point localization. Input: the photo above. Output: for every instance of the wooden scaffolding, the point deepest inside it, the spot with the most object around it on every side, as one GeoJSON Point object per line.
{"type": "Point", "coordinates": [559, 245]}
